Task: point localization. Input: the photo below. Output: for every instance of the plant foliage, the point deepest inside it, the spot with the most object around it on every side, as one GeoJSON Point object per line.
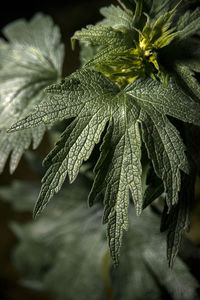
{"type": "Point", "coordinates": [31, 60]}
{"type": "Point", "coordinates": [134, 92]}
{"type": "Point", "coordinates": [67, 244]}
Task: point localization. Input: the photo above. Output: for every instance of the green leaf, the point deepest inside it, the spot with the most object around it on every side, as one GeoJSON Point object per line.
{"type": "Point", "coordinates": [158, 9]}
{"type": "Point", "coordinates": [100, 35]}
{"type": "Point", "coordinates": [95, 101]}
{"type": "Point", "coordinates": [170, 100]}
{"type": "Point", "coordinates": [112, 42]}
{"type": "Point", "coordinates": [178, 220]}
{"type": "Point", "coordinates": [187, 78]}
{"type": "Point", "coordinates": [166, 150]}
{"type": "Point", "coordinates": [188, 24]}
{"type": "Point", "coordinates": [116, 17]}
{"type": "Point", "coordinates": [16, 143]}
{"type": "Point", "coordinates": [31, 60]}
{"type": "Point", "coordinates": [55, 250]}
{"type": "Point", "coordinates": [87, 52]}
{"type": "Point", "coordinates": [164, 145]}
{"type": "Point", "coordinates": [122, 148]}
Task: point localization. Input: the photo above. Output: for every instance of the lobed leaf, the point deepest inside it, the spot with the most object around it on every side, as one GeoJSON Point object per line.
{"type": "Point", "coordinates": [120, 166]}
{"type": "Point", "coordinates": [166, 150]}
{"type": "Point", "coordinates": [96, 105]}
{"type": "Point", "coordinates": [170, 100]}
{"type": "Point", "coordinates": [116, 17]}
{"type": "Point", "coordinates": [101, 35]}
{"type": "Point", "coordinates": [100, 101]}
{"type": "Point", "coordinates": [31, 60]}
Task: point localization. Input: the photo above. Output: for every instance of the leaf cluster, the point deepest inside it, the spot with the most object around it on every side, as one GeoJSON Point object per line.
{"type": "Point", "coordinates": [133, 93]}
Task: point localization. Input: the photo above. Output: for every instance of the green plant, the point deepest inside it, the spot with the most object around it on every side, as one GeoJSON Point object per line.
{"type": "Point", "coordinates": [136, 89]}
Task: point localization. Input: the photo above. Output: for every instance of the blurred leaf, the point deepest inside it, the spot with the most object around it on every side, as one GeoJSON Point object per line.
{"type": "Point", "coordinates": [64, 251]}
{"type": "Point", "coordinates": [20, 194]}
{"type": "Point", "coordinates": [143, 270]}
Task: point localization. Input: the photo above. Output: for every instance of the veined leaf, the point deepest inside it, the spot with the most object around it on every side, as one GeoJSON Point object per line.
{"type": "Point", "coordinates": [31, 60]}
{"type": "Point", "coordinates": [88, 52]}
{"type": "Point", "coordinates": [113, 42]}
{"type": "Point", "coordinates": [122, 154]}
{"type": "Point", "coordinates": [116, 17]}
{"type": "Point", "coordinates": [166, 150]}
{"type": "Point", "coordinates": [98, 104]}
{"type": "Point", "coordinates": [170, 100]}
{"type": "Point", "coordinates": [178, 220]}
{"type": "Point", "coordinates": [164, 145]}
{"type": "Point", "coordinates": [94, 100]}
{"type": "Point", "coordinates": [102, 35]}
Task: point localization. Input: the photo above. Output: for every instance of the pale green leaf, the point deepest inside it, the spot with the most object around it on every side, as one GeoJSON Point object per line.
{"type": "Point", "coordinates": [116, 17]}
{"type": "Point", "coordinates": [32, 60]}
{"type": "Point", "coordinates": [17, 143]}
{"type": "Point", "coordinates": [56, 250]}
{"type": "Point", "coordinates": [178, 282]}
{"type": "Point", "coordinates": [21, 195]}
{"type": "Point", "coordinates": [100, 35]}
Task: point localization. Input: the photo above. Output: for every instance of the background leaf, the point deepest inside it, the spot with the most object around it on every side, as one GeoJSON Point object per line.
{"type": "Point", "coordinates": [31, 60]}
